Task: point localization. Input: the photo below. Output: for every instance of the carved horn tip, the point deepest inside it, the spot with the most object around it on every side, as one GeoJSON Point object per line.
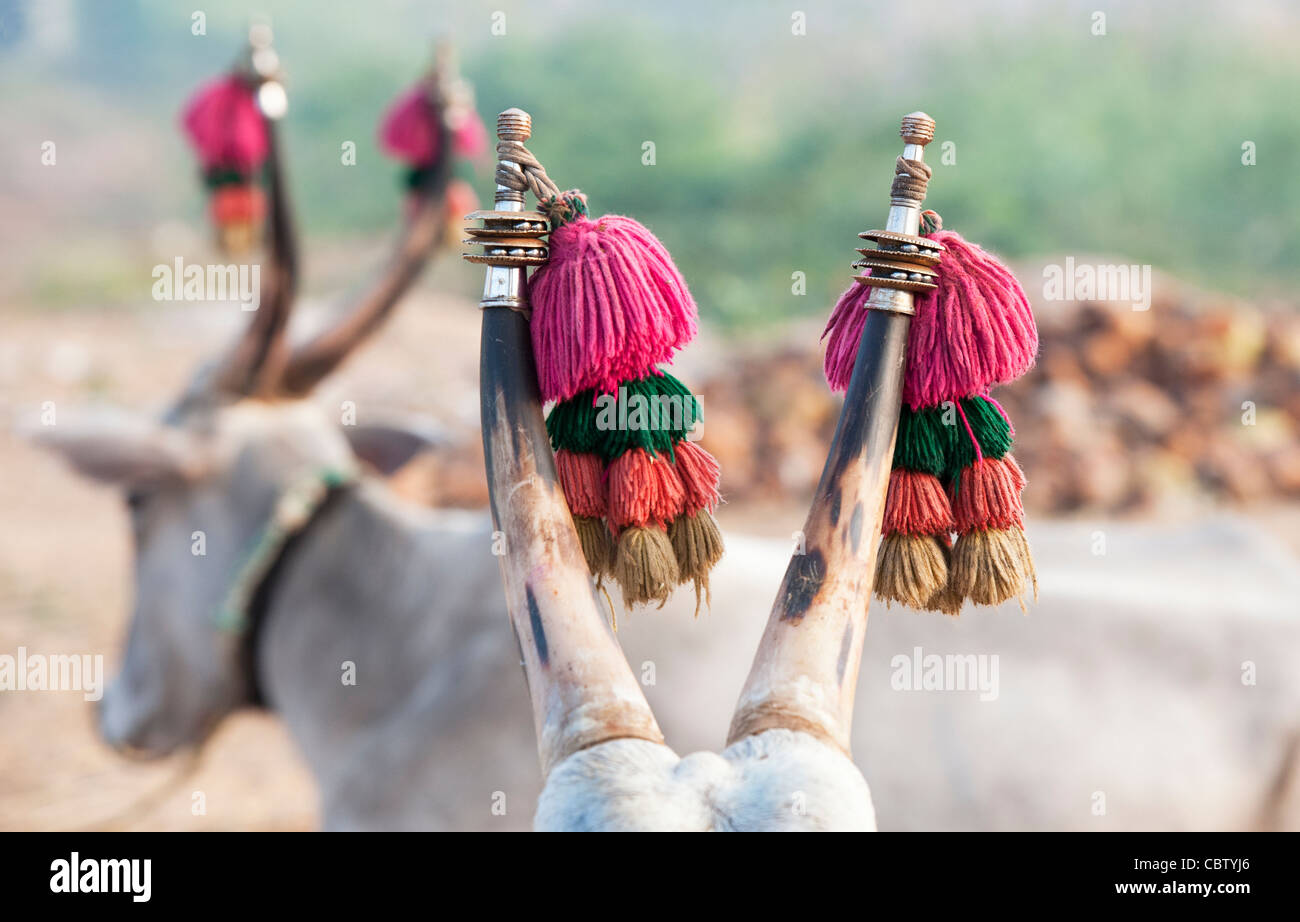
{"type": "Point", "coordinates": [515, 125]}
{"type": "Point", "coordinates": [917, 128]}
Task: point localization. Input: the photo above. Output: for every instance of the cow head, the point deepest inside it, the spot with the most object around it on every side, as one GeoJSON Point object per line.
{"type": "Point", "coordinates": [203, 483]}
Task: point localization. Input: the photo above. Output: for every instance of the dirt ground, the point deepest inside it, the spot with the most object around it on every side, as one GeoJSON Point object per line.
{"type": "Point", "coordinates": [65, 556]}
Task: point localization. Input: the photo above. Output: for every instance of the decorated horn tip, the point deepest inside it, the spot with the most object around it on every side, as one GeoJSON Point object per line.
{"type": "Point", "coordinates": [514, 125]}
{"type": "Point", "coordinates": [917, 128]}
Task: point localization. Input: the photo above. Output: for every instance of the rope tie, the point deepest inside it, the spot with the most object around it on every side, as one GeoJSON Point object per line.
{"type": "Point", "coordinates": [910, 179]}
{"type": "Point", "coordinates": [519, 170]}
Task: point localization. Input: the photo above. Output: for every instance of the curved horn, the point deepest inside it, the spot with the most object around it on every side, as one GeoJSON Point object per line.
{"type": "Point", "coordinates": [253, 365]}
{"type": "Point", "coordinates": [805, 672]}
{"type": "Point", "coordinates": [582, 690]}
{"type": "Point", "coordinates": [312, 361]}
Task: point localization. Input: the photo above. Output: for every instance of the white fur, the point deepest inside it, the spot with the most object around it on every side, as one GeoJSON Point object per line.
{"type": "Point", "coordinates": [776, 781]}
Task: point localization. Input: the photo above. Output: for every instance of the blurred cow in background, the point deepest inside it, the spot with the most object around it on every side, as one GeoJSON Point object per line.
{"type": "Point", "coordinates": [272, 571]}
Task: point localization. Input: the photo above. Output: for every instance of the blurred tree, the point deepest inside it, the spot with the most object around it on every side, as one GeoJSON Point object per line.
{"type": "Point", "coordinates": [772, 152]}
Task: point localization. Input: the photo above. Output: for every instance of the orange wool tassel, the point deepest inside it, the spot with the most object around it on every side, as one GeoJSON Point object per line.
{"type": "Point", "coordinates": [644, 489]}
{"type": "Point", "coordinates": [238, 204]}
{"type": "Point", "coordinates": [987, 495]}
{"type": "Point", "coordinates": [582, 476]}
{"type": "Point", "coordinates": [916, 505]}
{"type": "Point", "coordinates": [699, 473]}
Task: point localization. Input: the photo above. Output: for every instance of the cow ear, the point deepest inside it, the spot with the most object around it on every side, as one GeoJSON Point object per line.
{"type": "Point", "coordinates": [387, 444]}
{"type": "Point", "coordinates": [124, 450]}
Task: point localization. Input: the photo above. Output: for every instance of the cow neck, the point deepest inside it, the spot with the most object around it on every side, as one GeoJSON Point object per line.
{"type": "Point", "coordinates": [306, 501]}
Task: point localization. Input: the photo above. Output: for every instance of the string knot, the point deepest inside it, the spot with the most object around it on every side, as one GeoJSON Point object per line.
{"type": "Point", "coordinates": [564, 207]}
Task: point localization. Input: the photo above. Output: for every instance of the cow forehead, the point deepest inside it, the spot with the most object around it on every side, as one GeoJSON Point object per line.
{"type": "Point", "coordinates": [300, 429]}
{"type": "Point", "coordinates": [254, 416]}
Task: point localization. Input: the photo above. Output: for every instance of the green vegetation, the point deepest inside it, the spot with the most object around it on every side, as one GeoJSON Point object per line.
{"type": "Point", "coordinates": [772, 152]}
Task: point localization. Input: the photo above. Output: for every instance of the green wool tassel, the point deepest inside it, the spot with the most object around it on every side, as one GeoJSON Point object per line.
{"type": "Point", "coordinates": [924, 441]}
{"type": "Point", "coordinates": [990, 428]}
{"type": "Point", "coordinates": [652, 413]}
{"type": "Point", "coordinates": [571, 425]}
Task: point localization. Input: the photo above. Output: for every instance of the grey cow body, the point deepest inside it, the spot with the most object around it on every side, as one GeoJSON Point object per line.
{"type": "Point", "coordinates": [436, 723]}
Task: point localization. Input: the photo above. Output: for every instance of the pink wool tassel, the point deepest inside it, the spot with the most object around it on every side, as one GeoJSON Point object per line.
{"type": "Point", "coordinates": [469, 138]}
{"type": "Point", "coordinates": [844, 334]}
{"type": "Point", "coordinates": [409, 130]}
{"type": "Point", "coordinates": [973, 332]}
{"type": "Point", "coordinates": [223, 123]}
{"type": "Point", "coordinates": [608, 306]}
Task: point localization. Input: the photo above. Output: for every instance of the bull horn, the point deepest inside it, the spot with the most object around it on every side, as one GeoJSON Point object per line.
{"type": "Point", "coordinates": [582, 690]}
{"type": "Point", "coordinates": [805, 671]}
{"type": "Point", "coordinates": [253, 366]}
{"type": "Point", "coordinates": [314, 360]}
